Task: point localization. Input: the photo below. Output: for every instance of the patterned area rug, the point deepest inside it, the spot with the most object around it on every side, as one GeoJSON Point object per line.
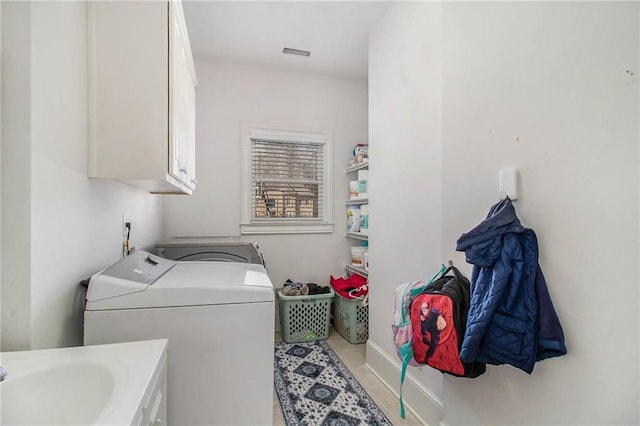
{"type": "Point", "coordinates": [316, 388]}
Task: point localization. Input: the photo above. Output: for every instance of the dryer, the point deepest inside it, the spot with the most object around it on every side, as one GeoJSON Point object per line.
{"type": "Point", "coordinates": [218, 319]}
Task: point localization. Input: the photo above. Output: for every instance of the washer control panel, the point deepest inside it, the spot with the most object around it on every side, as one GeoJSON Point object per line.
{"type": "Point", "coordinates": [141, 267]}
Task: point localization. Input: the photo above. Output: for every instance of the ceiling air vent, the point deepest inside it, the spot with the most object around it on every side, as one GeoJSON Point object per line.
{"type": "Point", "coordinates": [290, 51]}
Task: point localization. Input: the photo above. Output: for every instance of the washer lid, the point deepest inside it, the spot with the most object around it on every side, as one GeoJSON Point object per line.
{"type": "Point", "coordinates": [207, 242]}
{"type": "Point", "coordinates": [185, 284]}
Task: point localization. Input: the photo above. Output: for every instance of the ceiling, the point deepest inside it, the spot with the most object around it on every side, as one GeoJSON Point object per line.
{"type": "Point", "coordinates": [255, 32]}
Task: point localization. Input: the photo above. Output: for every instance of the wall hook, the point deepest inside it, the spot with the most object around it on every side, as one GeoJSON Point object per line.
{"type": "Point", "coordinates": [508, 184]}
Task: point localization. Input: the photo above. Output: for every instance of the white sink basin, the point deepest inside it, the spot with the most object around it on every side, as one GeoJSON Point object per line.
{"type": "Point", "coordinates": [102, 384]}
{"type": "Point", "coordinates": [56, 393]}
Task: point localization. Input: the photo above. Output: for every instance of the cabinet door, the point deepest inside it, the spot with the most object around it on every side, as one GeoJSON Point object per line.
{"type": "Point", "coordinates": [141, 95]}
{"type": "Point", "coordinates": [182, 98]}
{"type": "Point", "coordinates": [128, 76]}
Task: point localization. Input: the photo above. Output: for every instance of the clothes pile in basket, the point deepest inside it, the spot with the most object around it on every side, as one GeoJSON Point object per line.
{"type": "Point", "coordinates": [353, 287]}
{"type": "Point", "coordinates": [291, 288]}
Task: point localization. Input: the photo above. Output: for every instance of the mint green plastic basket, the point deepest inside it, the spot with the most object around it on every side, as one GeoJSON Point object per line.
{"type": "Point", "coordinates": [351, 319]}
{"type": "Point", "coordinates": [305, 318]}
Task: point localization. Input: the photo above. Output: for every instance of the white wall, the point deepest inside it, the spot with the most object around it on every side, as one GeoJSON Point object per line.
{"type": "Point", "coordinates": [229, 94]}
{"type": "Point", "coordinates": [59, 227]}
{"type": "Point", "coordinates": [405, 132]}
{"type": "Point", "coordinates": [0, 177]}
{"type": "Point", "coordinates": [16, 199]}
{"type": "Point", "coordinates": [542, 87]}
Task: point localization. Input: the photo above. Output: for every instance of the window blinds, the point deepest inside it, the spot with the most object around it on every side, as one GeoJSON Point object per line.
{"type": "Point", "coordinates": [287, 178]}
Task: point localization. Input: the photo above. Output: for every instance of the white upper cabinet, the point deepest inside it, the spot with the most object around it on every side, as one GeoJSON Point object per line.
{"type": "Point", "coordinates": [182, 100]}
{"type": "Point", "coordinates": [141, 95]}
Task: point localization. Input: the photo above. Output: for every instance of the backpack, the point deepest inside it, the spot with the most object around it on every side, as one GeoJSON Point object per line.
{"type": "Point", "coordinates": [402, 328]}
{"type": "Point", "coordinates": [450, 291]}
{"type": "Point", "coordinates": [439, 321]}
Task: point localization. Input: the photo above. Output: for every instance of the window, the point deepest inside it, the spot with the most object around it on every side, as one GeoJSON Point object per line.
{"type": "Point", "coordinates": [287, 181]}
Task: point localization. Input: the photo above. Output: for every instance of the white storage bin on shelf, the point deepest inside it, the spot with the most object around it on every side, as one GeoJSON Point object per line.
{"type": "Point", "coordinates": [364, 219]}
{"type": "Point", "coordinates": [353, 219]}
{"type": "Point", "coordinates": [357, 256]}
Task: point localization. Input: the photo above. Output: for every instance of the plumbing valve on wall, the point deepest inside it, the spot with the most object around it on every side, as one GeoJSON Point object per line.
{"type": "Point", "coordinates": [126, 236]}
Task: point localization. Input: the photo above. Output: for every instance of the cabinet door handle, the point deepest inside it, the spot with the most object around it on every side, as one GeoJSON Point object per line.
{"type": "Point", "coordinates": [184, 170]}
{"type": "Point", "coordinates": [194, 181]}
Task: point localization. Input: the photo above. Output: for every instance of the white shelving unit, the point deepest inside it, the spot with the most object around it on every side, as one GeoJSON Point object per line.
{"type": "Point", "coordinates": [363, 165]}
{"type": "Point", "coordinates": [357, 235]}
{"type": "Point", "coordinates": [357, 201]}
{"type": "Point", "coordinates": [355, 270]}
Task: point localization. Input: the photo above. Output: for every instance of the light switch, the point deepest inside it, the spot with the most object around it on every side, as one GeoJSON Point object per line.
{"type": "Point", "coordinates": [508, 184]}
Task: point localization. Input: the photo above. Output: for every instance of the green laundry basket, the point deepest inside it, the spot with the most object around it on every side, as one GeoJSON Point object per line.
{"type": "Point", "coordinates": [351, 319]}
{"type": "Point", "coordinates": [305, 318]}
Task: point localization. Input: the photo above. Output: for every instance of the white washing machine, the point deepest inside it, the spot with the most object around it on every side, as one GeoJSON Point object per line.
{"type": "Point", "coordinates": [218, 317]}
{"type": "Point", "coordinates": [221, 249]}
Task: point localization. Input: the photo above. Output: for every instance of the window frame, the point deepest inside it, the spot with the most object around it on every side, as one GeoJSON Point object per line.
{"type": "Point", "coordinates": [248, 225]}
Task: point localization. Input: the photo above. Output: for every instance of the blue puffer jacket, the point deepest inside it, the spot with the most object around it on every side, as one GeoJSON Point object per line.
{"type": "Point", "coordinates": [511, 318]}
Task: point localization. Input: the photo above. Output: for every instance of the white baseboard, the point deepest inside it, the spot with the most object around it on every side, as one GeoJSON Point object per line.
{"type": "Point", "coordinates": [417, 399]}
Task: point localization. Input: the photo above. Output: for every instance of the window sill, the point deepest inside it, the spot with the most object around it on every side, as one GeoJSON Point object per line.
{"type": "Point", "coordinates": [246, 229]}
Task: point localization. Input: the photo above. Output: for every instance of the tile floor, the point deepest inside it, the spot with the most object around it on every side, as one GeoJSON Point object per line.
{"type": "Point", "coordinates": [354, 357]}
